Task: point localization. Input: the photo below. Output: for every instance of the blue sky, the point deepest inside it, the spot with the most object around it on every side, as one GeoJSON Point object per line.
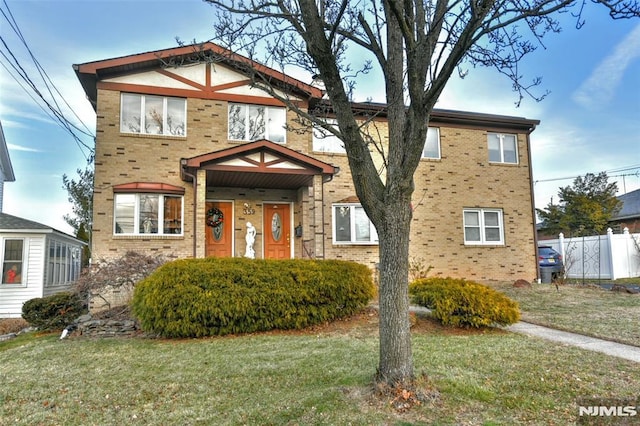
{"type": "Point", "coordinates": [590, 122]}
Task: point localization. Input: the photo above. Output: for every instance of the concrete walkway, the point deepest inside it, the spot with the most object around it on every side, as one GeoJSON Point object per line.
{"type": "Point", "coordinates": [619, 350]}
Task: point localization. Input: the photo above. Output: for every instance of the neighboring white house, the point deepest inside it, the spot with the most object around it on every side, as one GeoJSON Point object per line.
{"type": "Point", "coordinates": [37, 261]}
{"type": "Point", "coordinates": [6, 171]}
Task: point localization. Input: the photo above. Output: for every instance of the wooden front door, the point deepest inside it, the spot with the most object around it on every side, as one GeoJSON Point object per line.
{"type": "Point", "coordinates": [219, 239]}
{"type": "Point", "coordinates": [277, 231]}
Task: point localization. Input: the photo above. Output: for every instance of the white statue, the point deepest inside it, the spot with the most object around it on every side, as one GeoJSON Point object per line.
{"type": "Point", "coordinates": [250, 238]}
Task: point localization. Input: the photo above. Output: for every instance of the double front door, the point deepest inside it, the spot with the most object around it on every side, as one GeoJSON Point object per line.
{"type": "Point", "coordinates": [275, 232]}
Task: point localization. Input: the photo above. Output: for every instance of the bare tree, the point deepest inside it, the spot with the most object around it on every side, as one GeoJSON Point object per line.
{"type": "Point", "coordinates": [418, 46]}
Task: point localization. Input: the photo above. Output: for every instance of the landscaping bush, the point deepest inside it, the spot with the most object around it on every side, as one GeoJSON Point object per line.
{"type": "Point", "coordinates": [120, 275]}
{"type": "Point", "coordinates": [53, 312]}
{"type": "Point", "coordinates": [218, 296]}
{"type": "Point", "coordinates": [464, 303]}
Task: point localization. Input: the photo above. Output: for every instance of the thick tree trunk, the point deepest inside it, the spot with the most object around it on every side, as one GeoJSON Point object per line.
{"type": "Point", "coordinates": [396, 361]}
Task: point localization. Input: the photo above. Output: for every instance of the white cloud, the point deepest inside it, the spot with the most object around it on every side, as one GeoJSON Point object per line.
{"type": "Point", "coordinates": [15, 147]}
{"type": "Point", "coordinates": [598, 89]}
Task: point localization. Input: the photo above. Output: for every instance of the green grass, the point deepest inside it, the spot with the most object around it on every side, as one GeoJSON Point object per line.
{"type": "Point", "coordinates": [316, 378]}
{"type": "Point", "coordinates": [582, 309]}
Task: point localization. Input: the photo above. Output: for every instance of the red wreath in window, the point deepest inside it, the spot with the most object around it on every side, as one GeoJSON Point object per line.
{"type": "Point", "coordinates": [214, 217]}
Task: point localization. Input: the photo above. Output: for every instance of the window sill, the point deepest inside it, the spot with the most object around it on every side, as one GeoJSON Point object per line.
{"type": "Point", "coordinates": [497, 163]}
{"type": "Point", "coordinates": [355, 244]}
{"type": "Point", "coordinates": [148, 237]}
{"type": "Point", "coordinates": [150, 136]}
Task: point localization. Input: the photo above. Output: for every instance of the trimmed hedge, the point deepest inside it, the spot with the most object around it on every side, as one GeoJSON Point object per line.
{"type": "Point", "coordinates": [218, 296]}
{"type": "Point", "coordinates": [459, 302]}
{"type": "Point", "coordinates": [53, 312]}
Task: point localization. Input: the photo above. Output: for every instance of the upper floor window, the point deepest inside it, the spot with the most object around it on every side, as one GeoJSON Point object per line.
{"type": "Point", "coordinates": [432, 145]}
{"type": "Point", "coordinates": [351, 225]}
{"type": "Point", "coordinates": [12, 261]}
{"type": "Point", "coordinates": [503, 148]}
{"type": "Point", "coordinates": [483, 227]}
{"type": "Point", "coordinates": [152, 213]}
{"type": "Point", "coordinates": [153, 115]}
{"type": "Point", "coordinates": [254, 122]}
{"type": "Point", "coordinates": [325, 141]}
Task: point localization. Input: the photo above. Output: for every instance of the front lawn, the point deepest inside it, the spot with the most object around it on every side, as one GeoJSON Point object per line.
{"type": "Point", "coordinates": [320, 376]}
{"type": "Point", "coordinates": [587, 310]}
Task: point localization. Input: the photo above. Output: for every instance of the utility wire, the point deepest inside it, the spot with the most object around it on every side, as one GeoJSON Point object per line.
{"type": "Point", "coordinates": [58, 115]}
{"type": "Point", "coordinates": [621, 169]}
{"type": "Point", "coordinates": [43, 73]}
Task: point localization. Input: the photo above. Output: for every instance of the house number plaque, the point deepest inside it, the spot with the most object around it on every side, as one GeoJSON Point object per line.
{"type": "Point", "coordinates": [248, 210]}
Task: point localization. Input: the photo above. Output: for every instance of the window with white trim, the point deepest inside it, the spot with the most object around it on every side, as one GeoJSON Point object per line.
{"type": "Point", "coordinates": [148, 213]}
{"type": "Point", "coordinates": [351, 225]}
{"type": "Point", "coordinates": [153, 115]}
{"type": "Point", "coordinates": [254, 122]}
{"type": "Point", "coordinates": [483, 227]}
{"type": "Point", "coordinates": [432, 145]}
{"type": "Point", "coordinates": [12, 261]}
{"type": "Point", "coordinates": [503, 148]}
{"type": "Point", "coordinates": [325, 141]}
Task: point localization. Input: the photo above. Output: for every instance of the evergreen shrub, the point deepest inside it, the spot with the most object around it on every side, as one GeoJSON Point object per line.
{"type": "Point", "coordinates": [458, 302]}
{"type": "Point", "coordinates": [53, 312]}
{"type": "Point", "coordinates": [218, 296]}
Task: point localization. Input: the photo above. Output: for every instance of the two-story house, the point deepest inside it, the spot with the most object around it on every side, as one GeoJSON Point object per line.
{"type": "Point", "coordinates": [189, 153]}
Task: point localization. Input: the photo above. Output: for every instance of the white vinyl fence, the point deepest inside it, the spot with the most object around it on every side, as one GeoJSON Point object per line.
{"type": "Point", "coordinates": [610, 256]}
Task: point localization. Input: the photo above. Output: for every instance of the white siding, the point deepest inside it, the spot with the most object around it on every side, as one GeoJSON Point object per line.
{"type": "Point", "coordinates": [12, 297]}
{"type": "Point", "coordinates": [1, 187]}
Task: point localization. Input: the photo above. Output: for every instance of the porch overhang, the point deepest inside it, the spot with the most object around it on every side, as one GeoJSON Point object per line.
{"type": "Point", "coordinates": [258, 164]}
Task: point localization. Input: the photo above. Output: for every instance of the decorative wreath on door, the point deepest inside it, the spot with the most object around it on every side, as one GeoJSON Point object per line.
{"type": "Point", "coordinates": [214, 217]}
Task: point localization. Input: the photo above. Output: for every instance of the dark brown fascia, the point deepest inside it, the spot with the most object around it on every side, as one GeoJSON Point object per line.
{"type": "Point", "coordinates": [438, 117]}
{"type": "Point", "coordinates": [90, 73]}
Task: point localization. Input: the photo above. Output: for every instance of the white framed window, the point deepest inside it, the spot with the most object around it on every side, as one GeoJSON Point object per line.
{"type": "Point", "coordinates": [153, 115]}
{"type": "Point", "coordinates": [503, 148]}
{"type": "Point", "coordinates": [64, 263]}
{"type": "Point", "coordinates": [13, 261]}
{"type": "Point", "coordinates": [351, 225]}
{"type": "Point", "coordinates": [143, 214]}
{"type": "Point", "coordinates": [325, 141]}
{"type": "Point", "coordinates": [254, 122]}
{"type": "Point", "coordinates": [432, 145]}
{"type": "Point", "coordinates": [483, 227]}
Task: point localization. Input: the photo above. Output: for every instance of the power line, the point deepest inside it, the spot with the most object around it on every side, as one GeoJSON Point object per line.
{"type": "Point", "coordinates": [621, 169]}
{"type": "Point", "coordinates": [56, 113]}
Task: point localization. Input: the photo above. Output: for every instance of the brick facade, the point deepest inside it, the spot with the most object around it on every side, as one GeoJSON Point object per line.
{"type": "Point", "coordinates": [462, 178]}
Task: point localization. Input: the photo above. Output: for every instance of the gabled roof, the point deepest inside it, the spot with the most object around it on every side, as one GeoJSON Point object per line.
{"type": "Point", "coordinates": [5, 161]}
{"type": "Point", "coordinates": [262, 164]}
{"type": "Point", "coordinates": [91, 72]}
{"type": "Point", "coordinates": [630, 206]}
{"type": "Point", "coordinates": [15, 224]}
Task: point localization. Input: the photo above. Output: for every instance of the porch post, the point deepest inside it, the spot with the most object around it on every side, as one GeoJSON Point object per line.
{"type": "Point", "coordinates": [316, 207]}
{"type": "Point", "coordinates": [200, 198]}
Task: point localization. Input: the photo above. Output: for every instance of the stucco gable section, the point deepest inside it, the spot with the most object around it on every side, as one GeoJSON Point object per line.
{"type": "Point", "coordinates": [203, 70]}
{"type": "Point", "coordinates": [199, 80]}
{"type": "Point", "coordinates": [151, 79]}
{"type": "Point", "coordinates": [262, 154]}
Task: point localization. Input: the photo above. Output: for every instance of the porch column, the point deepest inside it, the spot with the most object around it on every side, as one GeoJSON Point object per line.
{"type": "Point", "coordinates": [200, 198]}
{"type": "Point", "coordinates": [316, 216]}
